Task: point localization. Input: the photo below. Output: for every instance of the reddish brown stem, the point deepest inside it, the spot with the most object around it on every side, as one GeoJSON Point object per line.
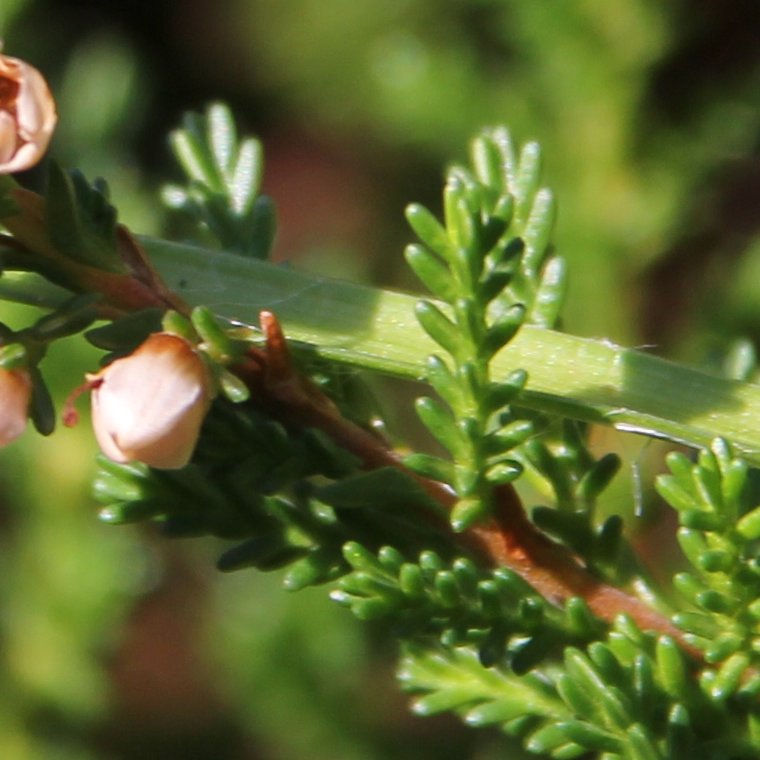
{"type": "Point", "coordinates": [509, 539]}
{"type": "Point", "coordinates": [512, 540]}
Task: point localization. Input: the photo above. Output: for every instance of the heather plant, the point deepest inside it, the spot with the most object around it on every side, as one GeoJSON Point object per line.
{"type": "Point", "coordinates": [229, 404]}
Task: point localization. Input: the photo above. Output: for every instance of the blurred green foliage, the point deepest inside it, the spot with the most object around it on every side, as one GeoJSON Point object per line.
{"type": "Point", "coordinates": [648, 116]}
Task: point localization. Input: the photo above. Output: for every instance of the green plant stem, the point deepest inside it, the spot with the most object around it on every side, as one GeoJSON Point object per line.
{"type": "Point", "coordinates": [586, 379]}
{"type": "Point", "coordinates": [365, 327]}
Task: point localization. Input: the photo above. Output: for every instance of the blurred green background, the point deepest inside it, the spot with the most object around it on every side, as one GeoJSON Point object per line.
{"type": "Point", "coordinates": [115, 643]}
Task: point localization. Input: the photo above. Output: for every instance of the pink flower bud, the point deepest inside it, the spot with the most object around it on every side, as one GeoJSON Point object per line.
{"type": "Point", "coordinates": [15, 392]}
{"type": "Point", "coordinates": [27, 115]}
{"type": "Point", "coordinates": [149, 406]}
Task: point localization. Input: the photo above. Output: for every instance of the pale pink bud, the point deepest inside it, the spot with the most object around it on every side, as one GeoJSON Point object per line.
{"type": "Point", "coordinates": [149, 406]}
{"type": "Point", "coordinates": [15, 392]}
{"type": "Point", "coordinates": [27, 115]}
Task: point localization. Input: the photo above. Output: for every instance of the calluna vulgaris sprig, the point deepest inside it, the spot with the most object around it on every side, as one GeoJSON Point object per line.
{"type": "Point", "coordinates": [506, 621]}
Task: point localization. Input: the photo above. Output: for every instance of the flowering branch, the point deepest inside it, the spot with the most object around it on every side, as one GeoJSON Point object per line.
{"type": "Point", "coordinates": [127, 282]}
{"type": "Point", "coordinates": [207, 428]}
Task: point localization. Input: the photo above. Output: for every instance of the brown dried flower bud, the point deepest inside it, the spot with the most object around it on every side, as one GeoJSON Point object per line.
{"type": "Point", "coordinates": [27, 115]}
{"type": "Point", "coordinates": [15, 393]}
{"type": "Point", "coordinates": [149, 406]}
